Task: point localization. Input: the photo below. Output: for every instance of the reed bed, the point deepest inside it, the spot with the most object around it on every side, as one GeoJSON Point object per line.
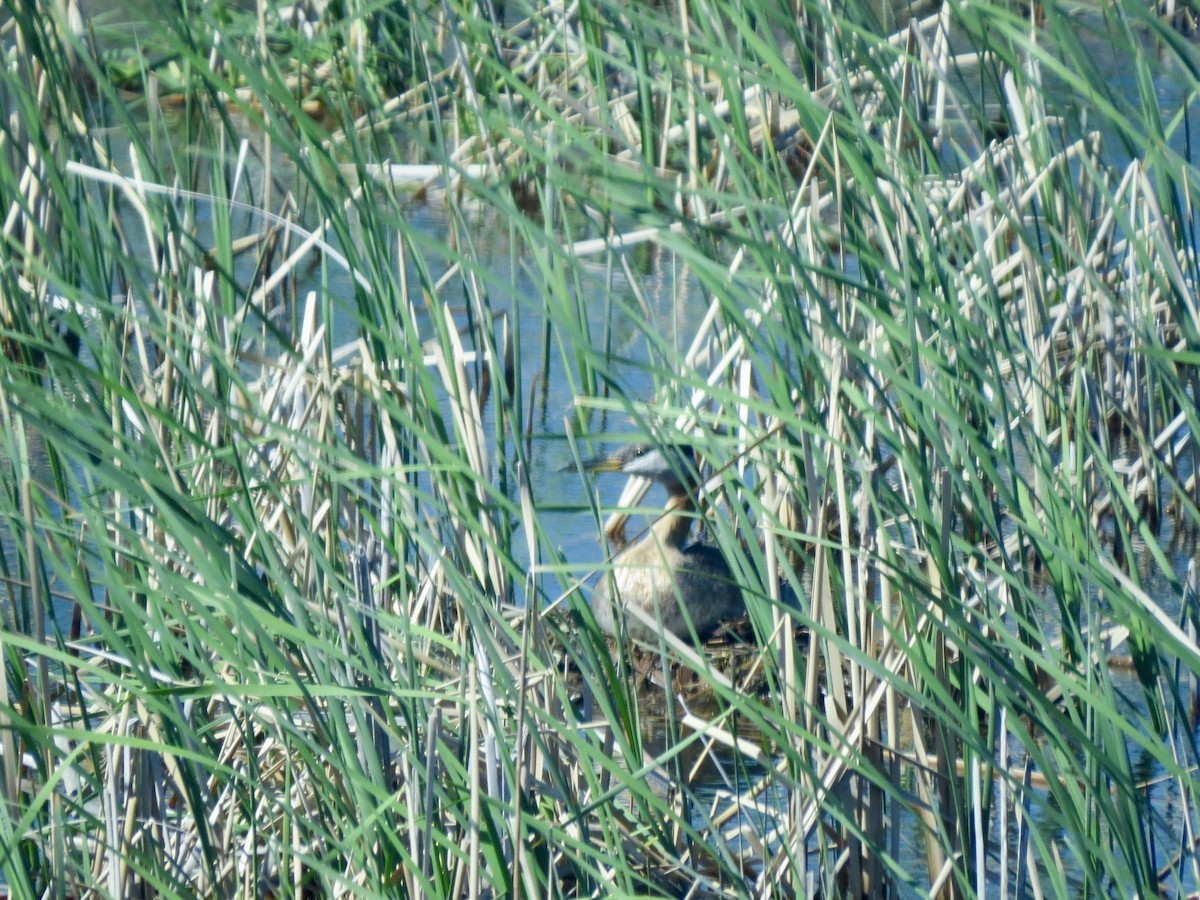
{"type": "Point", "coordinates": [284, 613]}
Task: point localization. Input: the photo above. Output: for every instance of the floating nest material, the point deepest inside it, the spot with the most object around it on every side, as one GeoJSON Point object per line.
{"type": "Point", "coordinates": [732, 652]}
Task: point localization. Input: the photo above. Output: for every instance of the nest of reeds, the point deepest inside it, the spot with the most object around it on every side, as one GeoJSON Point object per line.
{"type": "Point", "coordinates": [732, 652]}
{"type": "Point", "coordinates": [732, 656]}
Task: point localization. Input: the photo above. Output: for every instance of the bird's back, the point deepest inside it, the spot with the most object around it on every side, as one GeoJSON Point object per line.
{"type": "Point", "coordinates": [655, 580]}
{"type": "Point", "coordinates": [715, 594]}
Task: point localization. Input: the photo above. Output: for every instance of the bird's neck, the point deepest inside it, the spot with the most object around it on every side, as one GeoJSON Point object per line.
{"type": "Point", "coordinates": [672, 529]}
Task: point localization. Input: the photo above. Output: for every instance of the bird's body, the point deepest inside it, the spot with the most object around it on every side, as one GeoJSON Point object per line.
{"type": "Point", "coordinates": [689, 588]}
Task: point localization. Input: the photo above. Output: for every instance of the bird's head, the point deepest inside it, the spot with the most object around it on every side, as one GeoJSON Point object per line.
{"type": "Point", "coordinates": [673, 467]}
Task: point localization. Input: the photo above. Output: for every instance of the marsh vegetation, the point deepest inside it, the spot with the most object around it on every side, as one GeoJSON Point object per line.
{"type": "Point", "coordinates": [291, 303]}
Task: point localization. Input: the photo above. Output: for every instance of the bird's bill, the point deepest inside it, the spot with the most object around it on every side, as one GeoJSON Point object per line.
{"type": "Point", "coordinates": [604, 464]}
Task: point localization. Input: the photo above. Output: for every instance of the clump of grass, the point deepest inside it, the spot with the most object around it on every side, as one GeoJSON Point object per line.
{"type": "Point", "coordinates": [280, 593]}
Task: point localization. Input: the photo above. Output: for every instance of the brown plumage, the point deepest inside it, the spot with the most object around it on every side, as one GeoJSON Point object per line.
{"type": "Point", "coordinates": [660, 576]}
